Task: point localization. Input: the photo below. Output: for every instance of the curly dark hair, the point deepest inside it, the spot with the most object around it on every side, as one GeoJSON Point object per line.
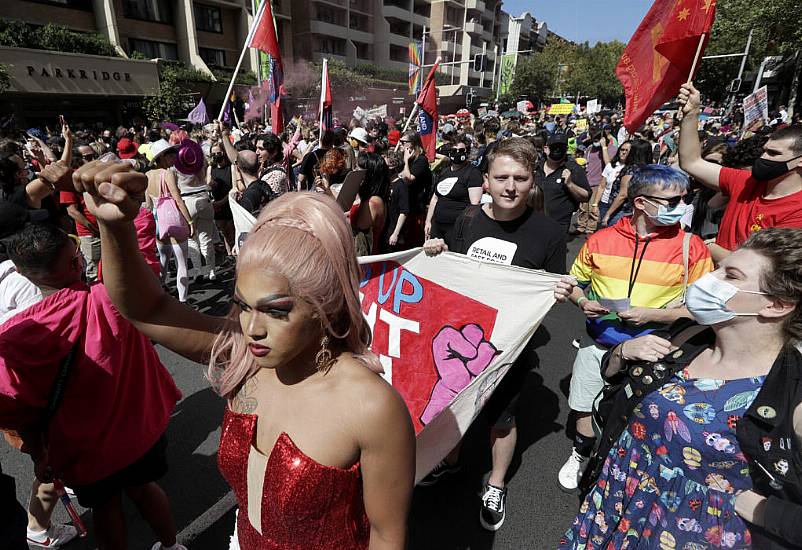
{"type": "Point", "coordinates": [783, 248]}
{"type": "Point", "coordinates": [745, 152]}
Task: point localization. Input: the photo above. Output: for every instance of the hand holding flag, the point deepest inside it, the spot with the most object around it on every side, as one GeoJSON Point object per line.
{"type": "Point", "coordinates": [660, 56]}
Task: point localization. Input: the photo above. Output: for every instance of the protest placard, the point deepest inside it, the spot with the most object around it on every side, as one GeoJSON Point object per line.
{"type": "Point", "coordinates": [756, 107]}
{"type": "Point", "coordinates": [593, 106]}
{"type": "Point", "coordinates": [561, 109]}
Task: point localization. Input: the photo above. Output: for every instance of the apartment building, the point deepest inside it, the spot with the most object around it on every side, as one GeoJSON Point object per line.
{"type": "Point", "coordinates": [200, 33]}
{"type": "Point", "coordinates": [378, 32]}
{"type": "Point", "coordinates": [523, 34]}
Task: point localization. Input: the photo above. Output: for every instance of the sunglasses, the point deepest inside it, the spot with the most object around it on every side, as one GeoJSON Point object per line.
{"type": "Point", "coordinates": [671, 202]}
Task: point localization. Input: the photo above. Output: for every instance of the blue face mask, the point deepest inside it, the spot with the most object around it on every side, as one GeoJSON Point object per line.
{"type": "Point", "coordinates": [707, 299]}
{"type": "Point", "coordinates": [665, 216]}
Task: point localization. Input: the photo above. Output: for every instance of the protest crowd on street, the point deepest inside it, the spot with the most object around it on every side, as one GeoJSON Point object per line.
{"type": "Point", "coordinates": [388, 276]}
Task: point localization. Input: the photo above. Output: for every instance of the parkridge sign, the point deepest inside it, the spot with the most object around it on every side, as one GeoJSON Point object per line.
{"type": "Point", "coordinates": [48, 72]}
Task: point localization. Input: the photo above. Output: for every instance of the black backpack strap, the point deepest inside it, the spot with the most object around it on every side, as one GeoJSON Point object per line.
{"type": "Point", "coordinates": [465, 220]}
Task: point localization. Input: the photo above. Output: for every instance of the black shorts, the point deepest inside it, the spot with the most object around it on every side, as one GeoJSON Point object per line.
{"type": "Point", "coordinates": [150, 467]}
{"type": "Point", "coordinates": [499, 411]}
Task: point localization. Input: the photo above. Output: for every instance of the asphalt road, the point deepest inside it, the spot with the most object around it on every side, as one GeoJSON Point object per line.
{"type": "Point", "coordinates": [444, 516]}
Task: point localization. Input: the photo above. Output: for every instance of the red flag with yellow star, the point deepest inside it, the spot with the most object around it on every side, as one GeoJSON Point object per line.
{"type": "Point", "coordinates": [659, 56]}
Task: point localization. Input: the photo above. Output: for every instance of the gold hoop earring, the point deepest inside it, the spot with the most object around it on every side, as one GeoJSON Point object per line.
{"type": "Point", "coordinates": [324, 358]}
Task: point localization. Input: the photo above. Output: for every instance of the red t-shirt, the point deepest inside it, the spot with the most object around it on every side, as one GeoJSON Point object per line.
{"type": "Point", "coordinates": [118, 397]}
{"type": "Point", "coordinates": [69, 197]}
{"type": "Point", "coordinates": [748, 211]}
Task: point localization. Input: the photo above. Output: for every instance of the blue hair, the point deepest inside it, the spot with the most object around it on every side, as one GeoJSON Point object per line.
{"type": "Point", "coordinates": [656, 175]}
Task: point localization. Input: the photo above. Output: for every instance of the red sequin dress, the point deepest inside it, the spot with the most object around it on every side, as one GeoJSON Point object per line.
{"type": "Point", "coordinates": [295, 503]}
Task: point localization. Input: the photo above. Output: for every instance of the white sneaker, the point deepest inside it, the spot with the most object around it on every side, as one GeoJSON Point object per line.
{"type": "Point", "coordinates": [212, 275]}
{"type": "Point", "coordinates": [55, 536]}
{"type": "Point", "coordinates": [572, 471]}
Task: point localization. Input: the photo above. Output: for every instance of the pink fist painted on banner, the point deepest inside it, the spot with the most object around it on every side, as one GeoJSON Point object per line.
{"type": "Point", "coordinates": [459, 357]}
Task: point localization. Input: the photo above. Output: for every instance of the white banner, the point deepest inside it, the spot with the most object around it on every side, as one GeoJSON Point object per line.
{"type": "Point", "coordinates": [365, 114]}
{"type": "Point", "coordinates": [243, 220]}
{"type": "Point", "coordinates": [593, 106]}
{"type": "Point", "coordinates": [756, 107]}
{"type": "Point", "coordinates": [446, 333]}
{"type": "Point", "coordinates": [446, 329]}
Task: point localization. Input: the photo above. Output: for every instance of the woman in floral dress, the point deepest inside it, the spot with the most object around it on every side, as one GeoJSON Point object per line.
{"type": "Point", "coordinates": [672, 479]}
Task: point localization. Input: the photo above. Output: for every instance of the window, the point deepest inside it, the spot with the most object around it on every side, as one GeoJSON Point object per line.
{"type": "Point", "coordinates": [160, 11]}
{"type": "Point", "coordinates": [363, 51]}
{"type": "Point", "coordinates": [334, 46]}
{"type": "Point", "coordinates": [208, 18]}
{"type": "Point", "coordinates": [212, 56]}
{"type": "Point", "coordinates": [154, 49]}
{"type": "Point", "coordinates": [326, 14]}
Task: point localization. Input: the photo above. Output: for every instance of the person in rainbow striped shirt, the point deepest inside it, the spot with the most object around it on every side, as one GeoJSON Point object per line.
{"type": "Point", "coordinates": [631, 280]}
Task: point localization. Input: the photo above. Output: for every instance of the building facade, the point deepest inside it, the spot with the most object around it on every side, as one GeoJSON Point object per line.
{"type": "Point", "coordinates": [199, 33]}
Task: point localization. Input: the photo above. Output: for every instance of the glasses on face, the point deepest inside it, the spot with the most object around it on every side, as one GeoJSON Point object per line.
{"type": "Point", "coordinates": [671, 202]}
{"type": "Point", "coordinates": [405, 141]}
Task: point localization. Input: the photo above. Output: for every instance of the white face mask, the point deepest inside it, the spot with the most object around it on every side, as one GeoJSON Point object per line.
{"type": "Point", "coordinates": [707, 299]}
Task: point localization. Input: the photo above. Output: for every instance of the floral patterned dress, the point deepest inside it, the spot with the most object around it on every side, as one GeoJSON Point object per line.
{"type": "Point", "coordinates": [670, 482]}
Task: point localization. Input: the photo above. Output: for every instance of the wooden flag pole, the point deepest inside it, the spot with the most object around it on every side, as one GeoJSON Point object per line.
{"type": "Point", "coordinates": [696, 57]}
{"type": "Point", "coordinates": [242, 56]}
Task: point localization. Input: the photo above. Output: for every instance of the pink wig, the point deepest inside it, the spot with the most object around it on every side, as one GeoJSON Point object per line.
{"type": "Point", "coordinates": [304, 238]}
{"type": "Point", "coordinates": [177, 136]}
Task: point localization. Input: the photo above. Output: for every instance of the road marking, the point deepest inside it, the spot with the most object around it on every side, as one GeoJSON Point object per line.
{"type": "Point", "coordinates": [208, 518]}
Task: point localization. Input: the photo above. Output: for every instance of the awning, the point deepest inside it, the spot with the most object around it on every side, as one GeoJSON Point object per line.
{"type": "Point", "coordinates": [50, 72]}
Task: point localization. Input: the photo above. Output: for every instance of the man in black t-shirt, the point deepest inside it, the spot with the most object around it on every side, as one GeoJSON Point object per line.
{"type": "Point", "coordinates": [563, 181]}
{"type": "Point", "coordinates": [457, 187]}
{"type": "Point", "coordinates": [505, 231]}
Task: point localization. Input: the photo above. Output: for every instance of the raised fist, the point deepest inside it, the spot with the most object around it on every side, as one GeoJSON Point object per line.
{"type": "Point", "coordinates": [459, 357]}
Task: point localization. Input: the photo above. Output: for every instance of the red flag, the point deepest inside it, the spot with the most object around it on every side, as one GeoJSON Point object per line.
{"type": "Point", "coordinates": [658, 58]}
{"type": "Point", "coordinates": [264, 34]}
{"type": "Point", "coordinates": [326, 112]}
{"type": "Point", "coordinates": [264, 38]}
{"type": "Point", "coordinates": [427, 114]}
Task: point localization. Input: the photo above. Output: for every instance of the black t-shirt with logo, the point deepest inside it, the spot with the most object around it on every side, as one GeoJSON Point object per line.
{"type": "Point", "coordinates": [452, 192]}
{"type": "Point", "coordinates": [532, 240]}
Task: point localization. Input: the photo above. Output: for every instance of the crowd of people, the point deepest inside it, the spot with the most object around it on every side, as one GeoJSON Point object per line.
{"type": "Point", "coordinates": [686, 391]}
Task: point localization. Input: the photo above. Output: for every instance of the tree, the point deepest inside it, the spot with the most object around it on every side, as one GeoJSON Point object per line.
{"type": "Point", "coordinates": [536, 74]}
{"type": "Point", "coordinates": [571, 70]}
{"type": "Point", "coordinates": [5, 78]}
{"type": "Point", "coordinates": [776, 32]}
{"type": "Point", "coordinates": [593, 72]}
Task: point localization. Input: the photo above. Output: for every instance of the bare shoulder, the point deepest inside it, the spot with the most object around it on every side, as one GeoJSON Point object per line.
{"type": "Point", "coordinates": [374, 402]}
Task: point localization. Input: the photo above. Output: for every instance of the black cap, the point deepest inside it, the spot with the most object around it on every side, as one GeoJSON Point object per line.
{"type": "Point", "coordinates": [14, 217]}
{"type": "Point", "coordinates": [554, 139]}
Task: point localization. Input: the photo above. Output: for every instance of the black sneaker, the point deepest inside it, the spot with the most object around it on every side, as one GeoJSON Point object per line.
{"type": "Point", "coordinates": [441, 470]}
{"type": "Point", "coordinates": [494, 507]}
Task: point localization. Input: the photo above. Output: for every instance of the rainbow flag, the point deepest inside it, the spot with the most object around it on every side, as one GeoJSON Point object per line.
{"type": "Point", "coordinates": [415, 62]}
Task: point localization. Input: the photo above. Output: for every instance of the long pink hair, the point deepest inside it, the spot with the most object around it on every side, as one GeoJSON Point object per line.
{"type": "Point", "coordinates": [304, 238]}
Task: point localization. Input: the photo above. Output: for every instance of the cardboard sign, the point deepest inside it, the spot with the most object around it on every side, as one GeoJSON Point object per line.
{"type": "Point", "coordinates": [561, 109]}
{"type": "Point", "coordinates": [756, 106]}
{"type": "Point", "coordinates": [593, 106]}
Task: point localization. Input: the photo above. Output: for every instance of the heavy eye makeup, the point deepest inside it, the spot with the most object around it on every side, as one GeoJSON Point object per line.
{"type": "Point", "coordinates": [276, 305]}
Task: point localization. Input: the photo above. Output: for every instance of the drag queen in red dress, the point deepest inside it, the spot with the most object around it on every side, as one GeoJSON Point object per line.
{"type": "Point", "coordinates": [317, 447]}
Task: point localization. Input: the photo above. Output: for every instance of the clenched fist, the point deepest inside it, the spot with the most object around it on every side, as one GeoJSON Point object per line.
{"type": "Point", "coordinates": [112, 190]}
